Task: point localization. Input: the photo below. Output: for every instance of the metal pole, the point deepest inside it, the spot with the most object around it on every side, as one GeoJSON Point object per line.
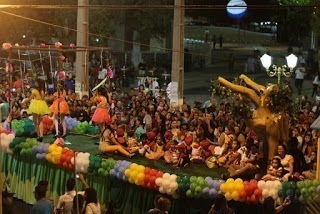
{"type": "Point", "coordinates": [178, 46]}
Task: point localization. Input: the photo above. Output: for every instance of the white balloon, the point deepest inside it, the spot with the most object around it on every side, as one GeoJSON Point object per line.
{"type": "Point", "coordinates": [161, 190]}
{"type": "Point", "coordinates": [174, 185]}
{"type": "Point", "coordinates": [173, 177]}
{"type": "Point", "coordinates": [269, 185]}
{"type": "Point", "coordinates": [265, 193]}
{"type": "Point", "coordinates": [159, 181]}
{"type": "Point", "coordinates": [170, 191]}
{"type": "Point", "coordinates": [261, 185]}
{"type": "Point", "coordinates": [166, 176]}
{"type": "Point", "coordinates": [277, 185]}
{"type": "Point", "coordinates": [274, 194]}
{"type": "Point", "coordinates": [166, 184]}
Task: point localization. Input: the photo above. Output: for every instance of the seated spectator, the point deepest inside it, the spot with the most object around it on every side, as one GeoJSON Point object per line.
{"type": "Point", "coordinates": [108, 143]}
{"type": "Point", "coordinates": [286, 162]}
{"type": "Point", "coordinates": [232, 151]}
{"type": "Point", "coordinates": [248, 163]}
{"type": "Point", "coordinates": [298, 157]}
{"type": "Point", "coordinates": [157, 151]}
{"type": "Point", "coordinates": [311, 168]}
{"type": "Point", "coordinates": [43, 205]}
{"type": "Point", "coordinates": [183, 159]}
{"type": "Point", "coordinates": [274, 171]}
{"type": "Point", "coordinates": [65, 202]}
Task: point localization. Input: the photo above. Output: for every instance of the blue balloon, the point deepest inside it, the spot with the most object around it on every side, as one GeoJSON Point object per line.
{"type": "Point", "coordinates": [213, 193]}
{"type": "Point", "coordinates": [113, 172]}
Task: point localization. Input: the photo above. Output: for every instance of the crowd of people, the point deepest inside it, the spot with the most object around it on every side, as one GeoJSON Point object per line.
{"type": "Point", "coordinates": [139, 122]}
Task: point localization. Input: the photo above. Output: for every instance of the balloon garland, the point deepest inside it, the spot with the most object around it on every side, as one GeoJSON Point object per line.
{"type": "Point", "coordinates": [250, 192]}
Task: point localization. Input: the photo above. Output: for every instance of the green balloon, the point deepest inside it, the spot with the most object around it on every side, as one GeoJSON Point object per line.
{"type": "Point", "coordinates": [302, 200]}
{"type": "Point", "coordinates": [198, 190]}
{"type": "Point", "coordinates": [312, 189]}
{"type": "Point", "coordinates": [189, 193]}
{"type": "Point", "coordinates": [193, 179]}
{"type": "Point", "coordinates": [193, 186]}
{"type": "Point", "coordinates": [316, 198]}
{"type": "Point", "coordinates": [304, 192]}
{"type": "Point", "coordinates": [280, 193]}
{"type": "Point", "coordinates": [300, 184]}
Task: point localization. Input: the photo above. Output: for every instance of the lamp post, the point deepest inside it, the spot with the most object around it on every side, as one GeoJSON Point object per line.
{"type": "Point", "coordinates": [279, 71]}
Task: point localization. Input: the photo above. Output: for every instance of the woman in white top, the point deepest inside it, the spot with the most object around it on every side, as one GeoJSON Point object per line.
{"type": "Point", "coordinates": [92, 204]}
{"type": "Point", "coordinates": [315, 83]}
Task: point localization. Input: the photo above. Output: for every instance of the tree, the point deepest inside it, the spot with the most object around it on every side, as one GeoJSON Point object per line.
{"type": "Point", "coordinates": [270, 119]}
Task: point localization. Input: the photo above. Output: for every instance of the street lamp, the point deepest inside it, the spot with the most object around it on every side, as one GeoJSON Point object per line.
{"type": "Point", "coordinates": [283, 70]}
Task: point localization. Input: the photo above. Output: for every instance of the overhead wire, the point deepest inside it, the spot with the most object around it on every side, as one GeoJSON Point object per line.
{"type": "Point", "coordinates": [128, 7]}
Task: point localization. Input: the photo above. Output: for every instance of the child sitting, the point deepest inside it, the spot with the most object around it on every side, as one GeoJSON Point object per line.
{"type": "Point", "coordinates": [171, 154]}
{"type": "Point", "coordinates": [183, 159]}
{"type": "Point", "coordinates": [229, 156]}
{"type": "Point", "coordinates": [156, 152]}
{"type": "Point", "coordinates": [144, 144]}
{"type": "Point", "coordinates": [132, 142]}
{"type": "Point", "coordinates": [274, 171]}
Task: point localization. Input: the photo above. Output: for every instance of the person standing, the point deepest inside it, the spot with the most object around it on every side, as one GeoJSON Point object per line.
{"type": "Point", "coordinates": [38, 107]}
{"type": "Point", "coordinates": [206, 35]}
{"type": "Point", "coordinates": [60, 109]}
{"type": "Point", "coordinates": [214, 41]}
{"type": "Point", "coordinates": [92, 205]}
{"type": "Point", "coordinates": [65, 203]}
{"type": "Point", "coordinates": [315, 83]}
{"type": "Point", "coordinates": [220, 41]}
{"type": "Point", "coordinates": [300, 73]}
{"type": "Point", "coordinates": [42, 206]}
{"type": "Point", "coordinates": [101, 115]}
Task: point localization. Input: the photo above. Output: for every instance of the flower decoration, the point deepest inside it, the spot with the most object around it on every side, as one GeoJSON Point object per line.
{"type": "Point", "coordinates": [16, 45]}
{"type": "Point", "coordinates": [6, 46]}
{"type": "Point", "coordinates": [62, 57]}
{"type": "Point", "coordinates": [72, 45]}
{"type": "Point", "coordinates": [57, 45]}
{"type": "Point", "coordinates": [42, 45]}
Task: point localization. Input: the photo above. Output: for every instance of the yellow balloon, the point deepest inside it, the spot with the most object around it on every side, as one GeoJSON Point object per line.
{"type": "Point", "coordinates": [230, 187]}
{"type": "Point", "coordinates": [223, 187]}
{"type": "Point", "coordinates": [134, 166]}
{"type": "Point", "coordinates": [137, 182]}
{"type": "Point", "coordinates": [131, 180]}
{"type": "Point", "coordinates": [235, 195]}
{"type": "Point", "coordinates": [51, 148]}
{"type": "Point", "coordinates": [127, 172]}
{"type": "Point", "coordinates": [49, 157]}
{"type": "Point", "coordinates": [54, 160]}
{"type": "Point", "coordinates": [141, 168]}
{"type": "Point", "coordinates": [238, 187]}
{"type": "Point", "coordinates": [133, 174]}
{"type": "Point", "coordinates": [230, 180]}
{"type": "Point", "coordinates": [239, 180]}
{"type": "Point", "coordinates": [140, 177]}
{"type": "Point", "coordinates": [228, 196]}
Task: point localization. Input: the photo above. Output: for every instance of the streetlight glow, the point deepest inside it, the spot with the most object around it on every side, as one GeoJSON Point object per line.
{"type": "Point", "coordinates": [279, 71]}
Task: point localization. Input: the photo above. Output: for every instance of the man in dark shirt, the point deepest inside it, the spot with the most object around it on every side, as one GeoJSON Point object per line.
{"type": "Point", "coordinates": [81, 114]}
